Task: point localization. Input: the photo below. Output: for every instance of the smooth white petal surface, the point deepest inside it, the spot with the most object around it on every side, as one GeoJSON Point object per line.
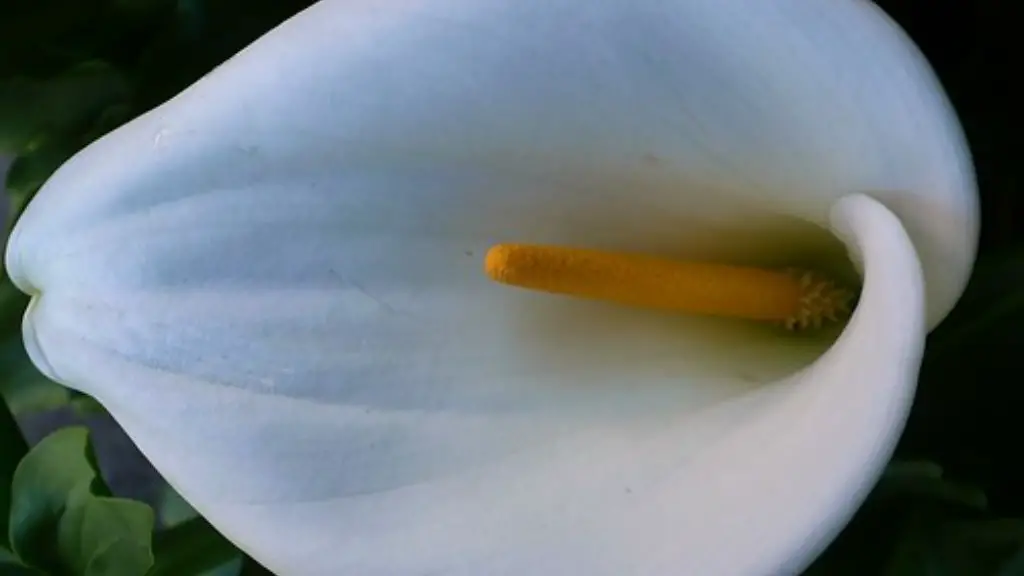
{"type": "Point", "coordinates": [627, 479]}
{"type": "Point", "coordinates": [273, 281]}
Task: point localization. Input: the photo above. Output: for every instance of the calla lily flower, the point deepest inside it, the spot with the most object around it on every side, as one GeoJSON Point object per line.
{"type": "Point", "coordinates": [275, 282]}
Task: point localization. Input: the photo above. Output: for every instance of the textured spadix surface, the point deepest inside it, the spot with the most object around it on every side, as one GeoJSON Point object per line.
{"type": "Point", "coordinates": [274, 283]}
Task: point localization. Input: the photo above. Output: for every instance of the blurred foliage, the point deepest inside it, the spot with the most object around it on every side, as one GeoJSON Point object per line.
{"type": "Point", "coordinates": [59, 518]}
{"type": "Point", "coordinates": [72, 70]}
{"type": "Point", "coordinates": [63, 518]}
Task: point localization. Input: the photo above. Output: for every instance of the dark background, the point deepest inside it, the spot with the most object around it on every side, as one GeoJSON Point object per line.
{"type": "Point", "coordinates": [970, 397]}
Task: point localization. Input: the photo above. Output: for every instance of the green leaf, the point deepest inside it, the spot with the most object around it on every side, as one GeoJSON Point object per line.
{"type": "Point", "coordinates": [10, 565]}
{"type": "Point", "coordinates": [22, 386]}
{"type": "Point", "coordinates": [190, 548]}
{"type": "Point", "coordinates": [12, 305]}
{"type": "Point", "coordinates": [31, 169]}
{"type": "Point", "coordinates": [85, 405]}
{"type": "Point", "coordinates": [47, 122]}
{"type": "Point", "coordinates": [12, 449]}
{"type": "Point", "coordinates": [68, 104]}
{"type": "Point", "coordinates": [57, 469]}
{"type": "Point", "coordinates": [6, 556]}
{"type": "Point", "coordinates": [175, 511]}
{"type": "Point", "coordinates": [107, 120]}
{"type": "Point", "coordinates": [232, 568]}
{"type": "Point", "coordinates": [17, 569]}
{"type": "Point", "coordinates": [172, 508]}
{"type": "Point", "coordinates": [924, 481]}
{"type": "Point", "coordinates": [18, 124]}
{"type": "Point", "coordinates": [121, 558]}
{"type": "Point", "coordinates": [106, 536]}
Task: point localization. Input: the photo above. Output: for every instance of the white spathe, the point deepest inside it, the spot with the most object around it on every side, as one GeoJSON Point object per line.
{"type": "Point", "coordinates": [274, 283]}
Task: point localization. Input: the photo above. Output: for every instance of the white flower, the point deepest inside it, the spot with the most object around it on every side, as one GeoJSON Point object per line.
{"type": "Point", "coordinates": [274, 283]}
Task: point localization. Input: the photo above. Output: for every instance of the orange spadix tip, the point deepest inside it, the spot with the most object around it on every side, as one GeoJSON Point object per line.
{"type": "Point", "coordinates": [797, 299]}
